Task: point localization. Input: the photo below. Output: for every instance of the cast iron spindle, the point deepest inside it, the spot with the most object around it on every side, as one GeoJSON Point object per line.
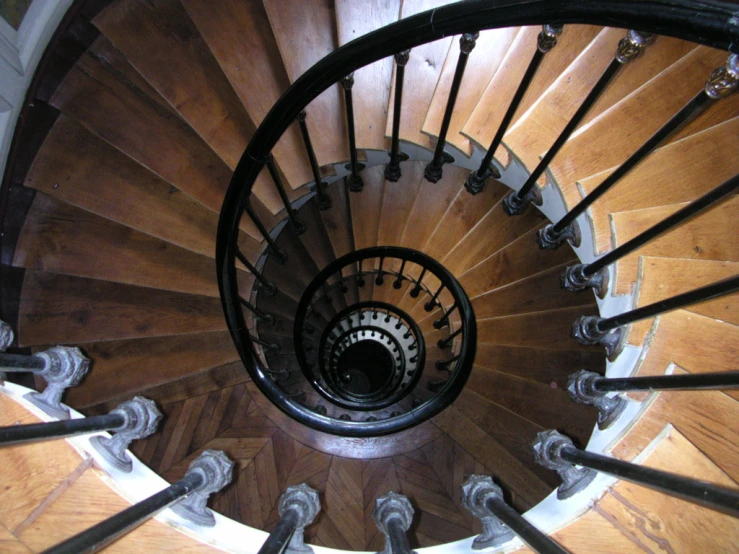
{"type": "Point", "coordinates": [296, 226]}
{"type": "Point", "coordinates": [392, 170]}
{"type": "Point", "coordinates": [279, 254]}
{"type": "Point", "coordinates": [546, 41]}
{"type": "Point", "coordinates": [267, 319]}
{"type": "Point", "coordinates": [324, 200]}
{"type": "Point", "coordinates": [268, 288]}
{"type": "Point", "coordinates": [434, 169]}
{"type": "Point", "coordinates": [353, 181]}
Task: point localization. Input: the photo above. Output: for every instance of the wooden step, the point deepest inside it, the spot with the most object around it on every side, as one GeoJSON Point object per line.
{"type": "Point", "coordinates": [60, 238]}
{"type": "Point", "coordinates": [664, 278]}
{"type": "Point", "coordinates": [483, 123]}
{"type": "Point", "coordinates": [371, 91]}
{"type": "Point", "coordinates": [484, 60]}
{"type": "Point", "coordinates": [315, 240]}
{"type": "Point", "coordinates": [611, 138]}
{"type": "Point", "coordinates": [305, 33]}
{"type": "Point", "coordinates": [674, 524]}
{"type": "Point", "coordinates": [397, 203]}
{"type": "Point", "coordinates": [543, 365]}
{"type": "Point", "coordinates": [421, 75]}
{"type": "Point", "coordinates": [709, 236]}
{"type": "Point", "coordinates": [518, 260]}
{"type": "Point", "coordinates": [337, 220]}
{"type": "Point", "coordinates": [549, 329]}
{"type": "Point", "coordinates": [538, 127]}
{"type": "Point", "coordinates": [73, 162]}
{"type": "Point", "coordinates": [492, 232]}
{"type": "Point", "coordinates": [697, 343]}
{"type": "Point", "coordinates": [126, 117]}
{"type": "Point", "coordinates": [126, 367]}
{"type": "Point", "coordinates": [64, 309]}
{"type": "Point", "coordinates": [537, 293]}
{"type": "Point", "coordinates": [704, 160]}
{"type": "Point", "coordinates": [554, 410]}
{"type": "Point", "coordinates": [239, 35]}
{"type": "Point", "coordinates": [209, 380]}
{"type": "Point", "coordinates": [366, 207]}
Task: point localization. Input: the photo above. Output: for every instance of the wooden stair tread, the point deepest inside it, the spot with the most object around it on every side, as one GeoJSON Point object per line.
{"type": "Point", "coordinates": [239, 36]}
{"type": "Point", "coordinates": [125, 367]}
{"type": "Point", "coordinates": [64, 309]}
{"type": "Point", "coordinates": [73, 162]}
{"type": "Point", "coordinates": [397, 203]}
{"type": "Point", "coordinates": [709, 236]}
{"type": "Point", "coordinates": [664, 278]}
{"type": "Point", "coordinates": [60, 238]}
{"type": "Point", "coordinates": [603, 143]}
{"type": "Point", "coordinates": [699, 174]}
{"type": "Point", "coordinates": [484, 60]}
{"type": "Point", "coordinates": [538, 128]}
{"type": "Point", "coordinates": [674, 524]}
{"type": "Point", "coordinates": [354, 20]}
{"type": "Point", "coordinates": [421, 75]}
{"type": "Point", "coordinates": [694, 342]}
{"type": "Point", "coordinates": [337, 220]}
{"type": "Point", "coordinates": [366, 208]}
{"type": "Point", "coordinates": [305, 33]}
{"type": "Point", "coordinates": [543, 365]}
{"type": "Point", "coordinates": [518, 260]}
{"type": "Point", "coordinates": [548, 329]}
{"type": "Point", "coordinates": [536, 293]}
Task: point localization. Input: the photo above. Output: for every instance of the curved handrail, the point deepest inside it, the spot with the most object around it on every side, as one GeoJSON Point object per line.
{"type": "Point", "coordinates": [709, 22]}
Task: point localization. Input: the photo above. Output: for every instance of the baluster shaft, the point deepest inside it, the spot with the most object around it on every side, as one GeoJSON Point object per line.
{"type": "Point", "coordinates": [354, 181]}
{"type": "Point", "coordinates": [269, 288]}
{"type": "Point", "coordinates": [279, 254]}
{"type": "Point", "coordinates": [296, 226]}
{"type": "Point", "coordinates": [324, 201]}
{"type": "Point", "coordinates": [19, 434]}
{"type": "Point", "coordinates": [392, 170]}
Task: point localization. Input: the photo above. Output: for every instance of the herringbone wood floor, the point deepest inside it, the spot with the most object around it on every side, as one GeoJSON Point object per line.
{"type": "Point", "coordinates": [268, 460]}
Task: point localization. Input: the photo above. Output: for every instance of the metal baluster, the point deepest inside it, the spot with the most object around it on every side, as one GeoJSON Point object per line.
{"type": "Point", "coordinates": [296, 226]}
{"type": "Point", "coordinates": [209, 473]}
{"type": "Point", "coordinates": [268, 288]}
{"type": "Point", "coordinates": [629, 48]}
{"type": "Point", "coordinates": [590, 388]}
{"type": "Point", "coordinates": [380, 276]}
{"type": "Point", "coordinates": [557, 450]}
{"type": "Point", "coordinates": [267, 319]}
{"type": "Point", "coordinates": [431, 303]}
{"type": "Point", "coordinates": [591, 330]}
{"type": "Point", "coordinates": [353, 181]}
{"type": "Point", "coordinates": [360, 278]}
{"type": "Point", "coordinates": [434, 169]}
{"type": "Point", "coordinates": [582, 276]}
{"type": "Point", "coordinates": [443, 365]}
{"type": "Point", "coordinates": [444, 319]}
{"type": "Point", "coordinates": [553, 235]}
{"type": "Point", "coordinates": [546, 41]}
{"type": "Point", "coordinates": [297, 508]}
{"type": "Point", "coordinates": [417, 289]}
{"type": "Point", "coordinates": [399, 281]}
{"type": "Point", "coordinates": [447, 342]}
{"type": "Point", "coordinates": [393, 515]}
{"type": "Point", "coordinates": [501, 523]}
{"type": "Point", "coordinates": [324, 200]}
{"type": "Point", "coordinates": [435, 385]}
{"type": "Point", "coordinates": [279, 255]}
{"type": "Point", "coordinates": [271, 347]}
{"type": "Point", "coordinates": [392, 169]}
{"type": "Point", "coordinates": [61, 367]}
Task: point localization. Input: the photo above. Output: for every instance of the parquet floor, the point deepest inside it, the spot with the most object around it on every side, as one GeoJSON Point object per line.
{"type": "Point", "coordinates": [268, 460]}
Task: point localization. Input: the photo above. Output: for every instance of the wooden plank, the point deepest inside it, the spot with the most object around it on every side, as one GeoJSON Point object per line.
{"type": "Point", "coordinates": [605, 143]}
{"type": "Point", "coordinates": [537, 293]}
{"type": "Point", "coordinates": [178, 446]}
{"type": "Point", "coordinates": [306, 32]}
{"type": "Point", "coordinates": [126, 367]}
{"type": "Point", "coordinates": [31, 472]}
{"type": "Point", "coordinates": [90, 499]}
{"type": "Point", "coordinates": [63, 309]}
{"type": "Point", "coordinates": [366, 208]}
{"type": "Point", "coordinates": [662, 522]}
{"type": "Point", "coordinates": [422, 70]}
{"type": "Point", "coordinates": [59, 238]}
{"type": "Point", "coordinates": [378, 478]}
{"type": "Point", "coordinates": [548, 329]}
{"type": "Point", "coordinates": [397, 203]}
{"type": "Point", "coordinates": [709, 236]}
{"type": "Point", "coordinates": [514, 262]}
{"type": "Point", "coordinates": [337, 221]}
{"type": "Point", "coordinates": [239, 35]}
{"type": "Point", "coordinates": [344, 500]}
{"type": "Point", "coordinates": [482, 64]}
{"type": "Point", "coordinates": [371, 91]}
{"type": "Point", "coordinates": [663, 278]}
{"type": "Point", "coordinates": [705, 162]}
{"type": "Point", "coordinates": [73, 163]}
{"type": "Point", "coordinates": [541, 124]}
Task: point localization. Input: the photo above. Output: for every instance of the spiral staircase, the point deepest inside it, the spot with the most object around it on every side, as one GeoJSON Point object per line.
{"type": "Point", "coordinates": [383, 332]}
